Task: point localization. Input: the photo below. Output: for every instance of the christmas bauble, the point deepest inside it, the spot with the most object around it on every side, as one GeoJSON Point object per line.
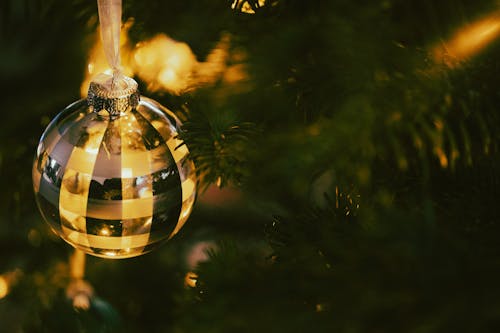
{"type": "Point", "coordinates": [110, 176]}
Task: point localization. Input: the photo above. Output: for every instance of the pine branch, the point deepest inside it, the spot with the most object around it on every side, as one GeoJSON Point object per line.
{"type": "Point", "coordinates": [219, 145]}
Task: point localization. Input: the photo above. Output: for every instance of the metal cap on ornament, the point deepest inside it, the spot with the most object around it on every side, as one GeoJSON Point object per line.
{"type": "Point", "coordinates": [115, 94]}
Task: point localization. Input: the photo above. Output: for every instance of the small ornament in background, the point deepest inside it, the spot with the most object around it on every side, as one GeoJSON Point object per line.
{"type": "Point", "coordinates": [196, 254]}
{"type": "Point", "coordinates": [80, 293]}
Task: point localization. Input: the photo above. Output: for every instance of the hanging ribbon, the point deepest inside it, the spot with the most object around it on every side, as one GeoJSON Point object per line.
{"type": "Point", "coordinates": [110, 16]}
{"type": "Point", "coordinates": [114, 93]}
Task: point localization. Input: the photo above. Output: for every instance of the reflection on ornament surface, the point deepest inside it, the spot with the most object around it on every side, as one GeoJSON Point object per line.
{"type": "Point", "coordinates": [114, 187]}
{"type": "Point", "coordinates": [80, 292]}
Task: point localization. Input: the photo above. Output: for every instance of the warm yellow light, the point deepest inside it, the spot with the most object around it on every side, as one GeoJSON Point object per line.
{"type": "Point", "coordinates": [171, 66]}
{"type": "Point", "coordinates": [141, 58]}
{"type": "Point", "coordinates": [4, 287]}
{"type": "Point", "coordinates": [81, 293]}
{"type": "Point", "coordinates": [443, 159]}
{"type": "Point", "coordinates": [77, 264]}
{"type": "Point", "coordinates": [81, 301]}
{"type": "Point", "coordinates": [186, 213]}
{"type": "Point", "coordinates": [190, 279]}
{"type": "Point", "coordinates": [174, 60]}
{"type": "Point", "coordinates": [468, 41]}
{"type": "Point", "coordinates": [165, 63]}
{"type": "Point", "coordinates": [167, 76]}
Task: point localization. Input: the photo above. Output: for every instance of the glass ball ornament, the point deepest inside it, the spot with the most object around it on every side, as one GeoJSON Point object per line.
{"type": "Point", "coordinates": [110, 176]}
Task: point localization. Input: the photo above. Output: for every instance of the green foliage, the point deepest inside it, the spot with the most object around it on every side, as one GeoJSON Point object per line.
{"type": "Point", "coordinates": [218, 144]}
{"type": "Point", "coordinates": [367, 171]}
{"type": "Point", "coordinates": [338, 272]}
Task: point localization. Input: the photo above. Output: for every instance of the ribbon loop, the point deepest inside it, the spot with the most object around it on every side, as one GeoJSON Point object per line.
{"type": "Point", "coordinates": [110, 17]}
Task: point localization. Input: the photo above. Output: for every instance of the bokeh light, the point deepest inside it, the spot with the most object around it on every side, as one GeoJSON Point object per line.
{"type": "Point", "coordinates": [468, 41]}
{"type": "Point", "coordinates": [4, 287]}
{"type": "Point", "coordinates": [167, 65]}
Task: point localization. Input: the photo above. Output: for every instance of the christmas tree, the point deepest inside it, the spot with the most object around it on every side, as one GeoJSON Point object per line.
{"type": "Point", "coordinates": [347, 156]}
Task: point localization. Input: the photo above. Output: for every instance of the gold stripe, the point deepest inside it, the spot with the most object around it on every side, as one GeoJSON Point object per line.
{"type": "Point", "coordinates": [137, 208]}
{"type": "Point", "coordinates": [177, 148]}
{"type": "Point", "coordinates": [113, 209]}
{"type": "Point", "coordinates": [83, 160]}
{"type": "Point", "coordinates": [69, 218]}
{"type": "Point", "coordinates": [74, 205]}
{"type": "Point", "coordinates": [157, 157]}
{"type": "Point", "coordinates": [188, 187]}
{"type": "Point", "coordinates": [106, 242]}
{"type": "Point", "coordinates": [136, 159]}
{"type": "Point", "coordinates": [75, 237]}
{"type": "Point", "coordinates": [75, 184]}
{"type": "Point", "coordinates": [188, 197]}
{"type": "Point", "coordinates": [187, 207]}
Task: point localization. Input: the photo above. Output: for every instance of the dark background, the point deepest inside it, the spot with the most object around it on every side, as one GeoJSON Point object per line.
{"type": "Point", "coordinates": [359, 172]}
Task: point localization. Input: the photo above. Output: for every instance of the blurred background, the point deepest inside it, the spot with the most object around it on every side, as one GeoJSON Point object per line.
{"type": "Point", "coordinates": [347, 156]}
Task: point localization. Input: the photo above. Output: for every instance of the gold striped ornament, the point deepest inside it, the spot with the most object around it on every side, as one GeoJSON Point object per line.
{"type": "Point", "coordinates": [110, 176]}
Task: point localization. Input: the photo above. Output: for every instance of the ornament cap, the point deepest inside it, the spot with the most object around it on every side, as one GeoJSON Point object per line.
{"type": "Point", "coordinates": [116, 94]}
